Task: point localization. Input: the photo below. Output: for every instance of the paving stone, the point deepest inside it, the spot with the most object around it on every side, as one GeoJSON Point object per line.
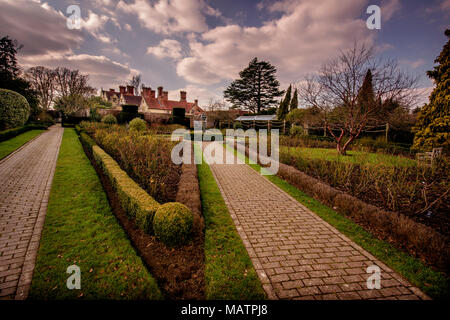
{"type": "Point", "coordinates": [26, 176]}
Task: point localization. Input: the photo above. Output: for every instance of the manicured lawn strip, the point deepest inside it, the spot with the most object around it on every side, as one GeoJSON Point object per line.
{"type": "Point", "coordinates": [433, 283]}
{"type": "Point", "coordinates": [81, 229]}
{"type": "Point", "coordinates": [8, 146]}
{"type": "Point", "coordinates": [229, 271]}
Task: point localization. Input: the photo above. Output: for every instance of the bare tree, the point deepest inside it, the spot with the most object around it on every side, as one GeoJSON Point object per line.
{"type": "Point", "coordinates": [135, 82]}
{"type": "Point", "coordinates": [43, 82]}
{"type": "Point", "coordinates": [72, 82]}
{"type": "Point", "coordinates": [356, 91]}
{"type": "Point", "coordinates": [215, 105]}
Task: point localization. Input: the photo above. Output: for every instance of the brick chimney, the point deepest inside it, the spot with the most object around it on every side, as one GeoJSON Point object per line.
{"type": "Point", "coordinates": [195, 102]}
{"type": "Point", "coordinates": [160, 92]}
{"type": "Point", "coordinates": [122, 89]}
{"type": "Point", "coordinates": [152, 94]}
{"type": "Point", "coordinates": [112, 90]}
{"type": "Point", "coordinates": [166, 95]}
{"type": "Point", "coordinates": [183, 96]}
{"type": "Point", "coordinates": [146, 91]}
{"type": "Point", "coordinates": [130, 90]}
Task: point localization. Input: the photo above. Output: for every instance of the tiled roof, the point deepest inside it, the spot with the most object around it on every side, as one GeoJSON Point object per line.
{"type": "Point", "coordinates": [129, 99]}
{"type": "Point", "coordinates": [154, 103]}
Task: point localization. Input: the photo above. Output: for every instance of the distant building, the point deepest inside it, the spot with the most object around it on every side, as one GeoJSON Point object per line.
{"type": "Point", "coordinates": [149, 103]}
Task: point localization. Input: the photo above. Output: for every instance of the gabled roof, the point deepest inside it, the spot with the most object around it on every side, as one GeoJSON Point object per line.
{"type": "Point", "coordinates": [109, 94]}
{"type": "Point", "coordinates": [129, 99]}
{"type": "Point", "coordinates": [154, 103]}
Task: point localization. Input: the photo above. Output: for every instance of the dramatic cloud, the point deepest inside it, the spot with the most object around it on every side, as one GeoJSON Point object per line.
{"type": "Point", "coordinates": [170, 16]}
{"type": "Point", "coordinates": [102, 71]}
{"type": "Point", "coordinates": [166, 48]}
{"type": "Point", "coordinates": [40, 28]}
{"type": "Point", "coordinates": [306, 35]}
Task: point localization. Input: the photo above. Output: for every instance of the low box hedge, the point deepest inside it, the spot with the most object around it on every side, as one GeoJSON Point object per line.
{"type": "Point", "coordinates": [11, 133]}
{"type": "Point", "coordinates": [137, 203]}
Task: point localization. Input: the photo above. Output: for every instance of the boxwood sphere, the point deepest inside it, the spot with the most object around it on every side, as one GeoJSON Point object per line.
{"type": "Point", "coordinates": [138, 124]}
{"type": "Point", "coordinates": [109, 119]}
{"type": "Point", "coordinates": [14, 109]}
{"type": "Point", "coordinates": [173, 224]}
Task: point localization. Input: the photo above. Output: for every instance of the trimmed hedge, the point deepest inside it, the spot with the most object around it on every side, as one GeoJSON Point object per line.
{"type": "Point", "coordinates": [134, 200]}
{"type": "Point", "coordinates": [14, 109]}
{"type": "Point", "coordinates": [11, 133]}
{"type": "Point", "coordinates": [173, 224]}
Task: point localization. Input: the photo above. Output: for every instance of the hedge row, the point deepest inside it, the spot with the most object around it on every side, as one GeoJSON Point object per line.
{"type": "Point", "coordinates": [136, 202]}
{"type": "Point", "coordinates": [11, 133]}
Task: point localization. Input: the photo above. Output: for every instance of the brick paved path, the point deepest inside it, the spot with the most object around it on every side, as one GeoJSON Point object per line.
{"type": "Point", "coordinates": [296, 254]}
{"type": "Point", "coordinates": [25, 181]}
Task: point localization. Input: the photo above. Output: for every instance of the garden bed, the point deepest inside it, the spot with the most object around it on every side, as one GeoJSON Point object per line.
{"type": "Point", "coordinates": [403, 232]}
{"type": "Point", "coordinates": [81, 229]}
{"type": "Point", "coordinates": [179, 271]}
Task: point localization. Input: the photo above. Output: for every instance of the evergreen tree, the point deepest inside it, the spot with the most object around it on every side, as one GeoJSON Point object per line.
{"type": "Point", "coordinates": [366, 96]}
{"type": "Point", "coordinates": [433, 121]}
{"type": "Point", "coordinates": [284, 105]}
{"type": "Point", "coordinates": [256, 89]}
{"type": "Point", "coordinates": [294, 101]}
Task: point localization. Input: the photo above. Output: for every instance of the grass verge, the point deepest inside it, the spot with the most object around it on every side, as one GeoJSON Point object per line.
{"type": "Point", "coordinates": [8, 146]}
{"type": "Point", "coordinates": [433, 283]}
{"type": "Point", "coordinates": [81, 229]}
{"type": "Point", "coordinates": [229, 272]}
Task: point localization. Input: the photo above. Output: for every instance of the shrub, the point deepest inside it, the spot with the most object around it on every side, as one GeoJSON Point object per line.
{"type": "Point", "coordinates": [237, 125]}
{"type": "Point", "coordinates": [296, 130]}
{"type": "Point", "coordinates": [109, 119]}
{"type": "Point", "coordinates": [14, 109]}
{"type": "Point", "coordinates": [173, 224]}
{"type": "Point", "coordinates": [137, 124]}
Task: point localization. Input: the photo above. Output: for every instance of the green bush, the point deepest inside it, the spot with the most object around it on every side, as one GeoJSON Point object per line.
{"type": "Point", "coordinates": [237, 125]}
{"type": "Point", "coordinates": [173, 224]}
{"type": "Point", "coordinates": [296, 130]}
{"type": "Point", "coordinates": [137, 124]}
{"type": "Point", "coordinates": [14, 109]}
{"type": "Point", "coordinates": [109, 119]}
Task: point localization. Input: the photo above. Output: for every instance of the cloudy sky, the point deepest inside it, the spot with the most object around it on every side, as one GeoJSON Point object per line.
{"type": "Point", "coordinates": [201, 45]}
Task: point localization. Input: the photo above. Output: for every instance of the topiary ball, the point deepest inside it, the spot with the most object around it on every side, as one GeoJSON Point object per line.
{"type": "Point", "coordinates": [109, 119]}
{"type": "Point", "coordinates": [137, 124]}
{"type": "Point", "coordinates": [173, 223]}
{"type": "Point", "coordinates": [14, 109]}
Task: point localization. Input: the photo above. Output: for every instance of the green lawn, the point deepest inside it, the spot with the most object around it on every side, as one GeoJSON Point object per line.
{"type": "Point", "coordinates": [229, 271]}
{"type": "Point", "coordinates": [433, 283]}
{"type": "Point", "coordinates": [8, 146]}
{"type": "Point", "coordinates": [357, 157]}
{"type": "Point", "coordinates": [81, 229]}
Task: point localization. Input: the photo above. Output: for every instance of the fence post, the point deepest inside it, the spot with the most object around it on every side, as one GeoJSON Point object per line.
{"type": "Point", "coordinates": [284, 126]}
{"type": "Point", "coordinates": [268, 125]}
{"type": "Point", "coordinates": [254, 124]}
{"type": "Point", "coordinates": [387, 131]}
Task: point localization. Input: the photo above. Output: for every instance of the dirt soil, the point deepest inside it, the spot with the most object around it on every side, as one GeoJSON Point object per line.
{"type": "Point", "coordinates": [178, 271]}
